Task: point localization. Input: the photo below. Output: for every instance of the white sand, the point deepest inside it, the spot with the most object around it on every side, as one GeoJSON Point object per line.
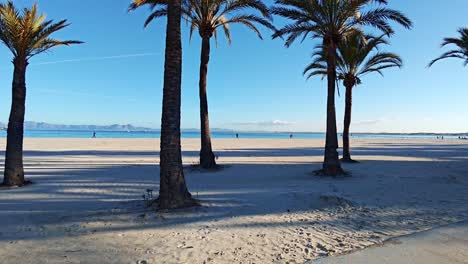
{"type": "Point", "coordinates": [447, 244]}
{"type": "Point", "coordinates": [266, 206]}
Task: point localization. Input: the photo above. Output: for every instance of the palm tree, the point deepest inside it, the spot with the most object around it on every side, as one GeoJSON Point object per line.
{"type": "Point", "coordinates": [356, 57]}
{"type": "Point", "coordinates": [208, 16]}
{"type": "Point", "coordinates": [462, 47]}
{"type": "Point", "coordinates": [26, 34]}
{"type": "Point", "coordinates": [173, 192]}
{"type": "Point", "coordinates": [333, 21]}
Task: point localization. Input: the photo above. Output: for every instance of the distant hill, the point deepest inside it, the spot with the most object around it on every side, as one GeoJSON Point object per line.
{"type": "Point", "coordinates": [30, 125]}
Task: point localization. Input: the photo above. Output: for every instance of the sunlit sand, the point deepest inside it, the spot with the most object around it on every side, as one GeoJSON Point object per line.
{"type": "Point", "coordinates": [265, 205]}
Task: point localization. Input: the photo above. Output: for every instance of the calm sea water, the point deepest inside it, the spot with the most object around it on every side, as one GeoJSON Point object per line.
{"type": "Point", "coordinates": [269, 135]}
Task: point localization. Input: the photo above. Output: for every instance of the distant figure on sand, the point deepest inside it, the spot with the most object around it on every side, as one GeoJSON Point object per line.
{"type": "Point", "coordinates": [290, 136]}
{"type": "Point", "coordinates": [237, 135]}
{"type": "Point", "coordinates": [94, 134]}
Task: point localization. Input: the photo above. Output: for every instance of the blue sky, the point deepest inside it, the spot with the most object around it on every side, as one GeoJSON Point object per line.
{"type": "Point", "coordinates": [116, 77]}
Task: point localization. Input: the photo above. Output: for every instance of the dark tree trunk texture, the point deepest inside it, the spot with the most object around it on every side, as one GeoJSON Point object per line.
{"type": "Point", "coordinates": [207, 158]}
{"type": "Point", "coordinates": [349, 84]}
{"type": "Point", "coordinates": [173, 192]}
{"type": "Point", "coordinates": [14, 172]}
{"type": "Point", "coordinates": [331, 164]}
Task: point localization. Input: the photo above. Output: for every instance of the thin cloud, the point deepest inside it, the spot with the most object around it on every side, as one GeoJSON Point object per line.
{"type": "Point", "coordinates": [369, 122]}
{"type": "Point", "coordinates": [116, 57]}
{"type": "Point", "coordinates": [271, 123]}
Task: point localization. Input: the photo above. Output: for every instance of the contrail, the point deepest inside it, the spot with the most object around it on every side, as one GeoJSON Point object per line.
{"type": "Point", "coordinates": [99, 58]}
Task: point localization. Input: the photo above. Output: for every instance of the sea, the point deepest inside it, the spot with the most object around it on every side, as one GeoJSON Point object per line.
{"type": "Point", "coordinates": [215, 134]}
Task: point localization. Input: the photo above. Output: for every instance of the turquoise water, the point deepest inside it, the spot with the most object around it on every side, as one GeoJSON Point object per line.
{"type": "Point", "coordinates": [259, 135]}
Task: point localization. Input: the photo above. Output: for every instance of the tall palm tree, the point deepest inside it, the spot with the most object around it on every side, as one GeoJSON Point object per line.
{"type": "Point", "coordinates": [462, 47]}
{"type": "Point", "coordinates": [332, 21]}
{"type": "Point", "coordinates": [26, 34]}
{"type": "Point", "coordinates": [356, 57]}
{"type": "Point", "coordinates": [173, 192]}
{"type": "Point", "coordinates": [208, 16]}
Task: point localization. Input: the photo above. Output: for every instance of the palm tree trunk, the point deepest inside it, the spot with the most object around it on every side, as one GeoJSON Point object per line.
{"type": "Point", "coordinates": [14, 171]}
{"type": "Point", "coordinates": [347, 122]}
{"type": "Point", "coordinates": [331, 164]}
{"type": "Point", "coordinates": [173, 192]}
{"type": "Point", "coordinates": [207, 158]}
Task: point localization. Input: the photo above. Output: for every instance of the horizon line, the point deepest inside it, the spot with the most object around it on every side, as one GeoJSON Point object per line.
{"type": "Point", "coordinates": [143, 128]}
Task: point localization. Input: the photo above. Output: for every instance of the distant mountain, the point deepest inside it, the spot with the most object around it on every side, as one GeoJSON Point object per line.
{"type": "Point", "coordinates": [30, 125]}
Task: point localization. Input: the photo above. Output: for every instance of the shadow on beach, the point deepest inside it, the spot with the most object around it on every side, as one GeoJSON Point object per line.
{"type": "Point", "coordinates": [66, 193]}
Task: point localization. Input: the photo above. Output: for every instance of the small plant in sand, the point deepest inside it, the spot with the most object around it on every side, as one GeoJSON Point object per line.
{"type": "Point", "coordinates": [148, 197]}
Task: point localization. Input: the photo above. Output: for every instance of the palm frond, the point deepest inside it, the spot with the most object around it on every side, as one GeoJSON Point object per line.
{"type": "Point", "coordinates": [209, 15]}
{"type": "Point", "coordinates": [334, 20]}
{"type": "Point", "coordinates": [150, 3]}
{"type": "Point", "coordinates": [162, 12]}
{"type": "Point", "coordinates": [356, 56]}
{"type": "Point", "coordinates": [27, 33]}
{"type": "Point", "coordinates": [462, 48]}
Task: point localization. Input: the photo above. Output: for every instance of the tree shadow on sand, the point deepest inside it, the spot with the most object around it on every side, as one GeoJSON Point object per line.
{"type": "Point", "coordinates": [67, 193]}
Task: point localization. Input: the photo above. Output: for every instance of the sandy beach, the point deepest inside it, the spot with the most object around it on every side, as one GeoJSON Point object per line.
{"type": "Point", "coordinates": [446, 244]}
{"type": "Point", "coordinates": [264, 206]}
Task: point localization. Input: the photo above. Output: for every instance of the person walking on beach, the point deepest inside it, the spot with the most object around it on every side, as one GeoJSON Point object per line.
{"type": "Point", "coordinates": [94, 134]}
{"type": "Point", "coordinates": [237, 135]}
{"type": "Point", "coordinates": [290, 136]}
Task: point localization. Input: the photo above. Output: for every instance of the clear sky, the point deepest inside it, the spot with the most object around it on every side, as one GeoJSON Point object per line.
{"type": "Point", "coordinates": [116, 77]}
